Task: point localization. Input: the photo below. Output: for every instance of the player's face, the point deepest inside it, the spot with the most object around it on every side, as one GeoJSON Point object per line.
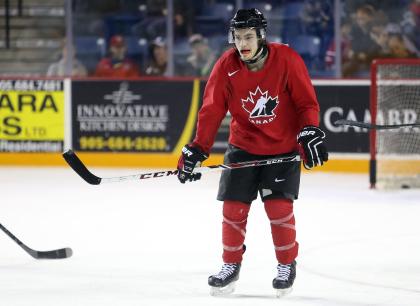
{"type": "Point", "coordinates": [246, 42]}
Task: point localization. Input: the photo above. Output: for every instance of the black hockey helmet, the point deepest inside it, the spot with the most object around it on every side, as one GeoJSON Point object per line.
{"type": "Point", "coordinates": [248, 18]}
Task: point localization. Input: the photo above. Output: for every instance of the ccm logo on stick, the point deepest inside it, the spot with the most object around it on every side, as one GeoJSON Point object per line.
{"type": "Point", "coordinates": [157, 174]}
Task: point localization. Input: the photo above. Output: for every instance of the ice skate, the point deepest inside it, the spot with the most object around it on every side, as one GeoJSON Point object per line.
{"type": "Point", "coordinates": [223, 283]}
{"type": "Point", "coordinates": [283, 282]}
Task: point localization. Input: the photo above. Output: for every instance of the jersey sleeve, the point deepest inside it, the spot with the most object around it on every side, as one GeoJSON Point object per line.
{"type": "Point", "coordinates": [302, 92]}
{"type": "Point", "coordinates": [214, 107]}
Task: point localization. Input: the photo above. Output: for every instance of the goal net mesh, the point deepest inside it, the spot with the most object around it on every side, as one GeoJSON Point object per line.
{"type": "Point", "coordinates": [397, 151]}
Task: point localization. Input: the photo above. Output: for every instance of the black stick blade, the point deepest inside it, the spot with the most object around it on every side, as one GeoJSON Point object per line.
{"type": "Point", "coordinates": [376, 126]}
{"type": "Point", "coordinates": [353, 123]}
{"type": "Point", "coordinates": [54, 254]}
{"type": "Point", "coordinates": [76, 164]}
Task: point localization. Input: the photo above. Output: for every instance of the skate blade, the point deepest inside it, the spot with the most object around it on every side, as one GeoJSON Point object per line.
{"type": "Point", "coordinates": [282, 292]}
{"type": "Point", "coordinates": [221, 291]}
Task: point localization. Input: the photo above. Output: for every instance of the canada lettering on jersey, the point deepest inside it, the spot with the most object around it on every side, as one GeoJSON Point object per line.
{"type": "Point", "coordinates": [260, 106]}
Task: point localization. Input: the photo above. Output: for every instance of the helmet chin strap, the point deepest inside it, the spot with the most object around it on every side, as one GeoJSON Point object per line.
{"type": "Point", "coordinates": [261, 52]}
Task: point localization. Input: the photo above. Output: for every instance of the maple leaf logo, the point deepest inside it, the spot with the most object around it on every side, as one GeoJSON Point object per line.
{"type": "Point", "coordinates": [260, 105]}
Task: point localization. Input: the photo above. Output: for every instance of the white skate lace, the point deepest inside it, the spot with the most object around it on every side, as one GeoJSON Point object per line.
{"type": "Point", "coordinates": [227, 270]}
{"type": "Point", "coordinates": [283, 272]}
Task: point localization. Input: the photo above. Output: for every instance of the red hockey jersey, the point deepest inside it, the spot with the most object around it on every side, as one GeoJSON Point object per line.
{"type": "Point", "coordinates": [268, 107]}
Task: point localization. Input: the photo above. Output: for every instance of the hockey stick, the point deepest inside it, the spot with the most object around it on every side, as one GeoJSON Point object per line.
{"type": "Point", "coordinates": [53, 254]}
{"type": "Point", "coordinates": [374, 126]}
{"type": "Point", "coordinates": [77, 165]}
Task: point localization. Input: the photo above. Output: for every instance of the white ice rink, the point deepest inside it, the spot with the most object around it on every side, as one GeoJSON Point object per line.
{"type": "Point", "coordinates": [155, 242]}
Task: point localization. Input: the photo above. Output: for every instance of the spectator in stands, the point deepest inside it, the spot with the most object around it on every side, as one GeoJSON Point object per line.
{"type": "Point", "coordinates": [58, 68]}
{"type": "Point", "coordinates": [363, 47]}
{"type": "Point", "coordinates": [202, 58]}
{"type": "Point", "coordinates": [393, 42]}
{"type": "Point", "coordinates": [393, 9]}
{"type": "Point", "coordinates": [117, 64]}
{"type": "Point", "coordinates": [317, 17]}
{"type": "Point", "coordinates": [411, 22]}
{"type": "Point", "coordinates": [398, 47]}
{"type": "Point", "coordinates": [362, 43]}
{"type": "Point", "coordinates": [159, 58]}
{"type": "Point", "coordinates": [346, 51]}
{"type": "Point", "coordinates": [415, 11]}
{"type": "Point", "coordinates": [379, 33]}
{"type": "Point", "coordinates": [155, 23]}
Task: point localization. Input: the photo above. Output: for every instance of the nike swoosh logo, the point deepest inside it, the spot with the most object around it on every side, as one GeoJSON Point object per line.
{"type": "Point", "coordinates": [232, 73]}
{"type": "Point", "coordinates": [279, 180]}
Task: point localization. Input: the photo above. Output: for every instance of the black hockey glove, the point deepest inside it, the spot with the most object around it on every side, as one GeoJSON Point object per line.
{"type": "Point", "coordinates": [190, 158]}
{"type": "Point", "coordinates": [313, 150]}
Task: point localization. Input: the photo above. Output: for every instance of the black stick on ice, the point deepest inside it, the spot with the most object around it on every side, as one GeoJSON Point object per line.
{"type": "Point", "coordinates": [53, 254]}
{"type": "Point", "coordinates": [375, 126]}
{"type": "Point", "coordinates": [77, 165]}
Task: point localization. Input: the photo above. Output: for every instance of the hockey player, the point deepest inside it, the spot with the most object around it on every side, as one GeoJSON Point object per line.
{"type": "Point", "coordinates": [268, 92]}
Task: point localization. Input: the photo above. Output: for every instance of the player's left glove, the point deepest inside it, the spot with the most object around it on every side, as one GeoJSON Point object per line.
{"type": "Point", "coordinates": [313, 150]}
{"type": "Point", "coordinates": [190, 158]}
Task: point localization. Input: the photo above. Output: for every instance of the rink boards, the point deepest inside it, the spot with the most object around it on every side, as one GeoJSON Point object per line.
{"type": "Point", "coordinates": [145, 123]}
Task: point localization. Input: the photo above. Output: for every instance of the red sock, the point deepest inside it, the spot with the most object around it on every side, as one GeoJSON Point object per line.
{"type": "Point", "coordinates": [235, 216]}
{"type": "Point", "coordinates": [280, 213]}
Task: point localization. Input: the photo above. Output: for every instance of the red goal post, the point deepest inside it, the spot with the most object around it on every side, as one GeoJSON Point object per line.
{"type": "Point", "coordinates": [395, 99]}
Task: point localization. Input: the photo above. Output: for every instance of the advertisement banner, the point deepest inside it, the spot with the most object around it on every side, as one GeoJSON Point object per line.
{"type": "Point", "coordinates": [31, 115]}
{"type": "Point", "coordinates": [344, 102]}
{"type": "Point", "coordinates": [339, 101]}
{"type": "Point", "coordinates": [133, 116]}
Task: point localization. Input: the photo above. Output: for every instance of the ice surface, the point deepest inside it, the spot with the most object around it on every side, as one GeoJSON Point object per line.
{"type": "Point", "coordinates": [155, 242]}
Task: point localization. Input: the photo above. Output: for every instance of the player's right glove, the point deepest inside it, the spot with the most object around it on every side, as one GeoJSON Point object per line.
{"type": "Point", "coordinates": [190, 158]}
{"type": "Point", "coordinates": [313, 150]}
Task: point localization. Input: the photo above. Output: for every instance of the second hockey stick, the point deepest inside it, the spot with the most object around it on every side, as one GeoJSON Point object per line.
{"type": "Point", "coordinates": [77, 165]}
{"type": "Point", "coordinates": [53, 254]}
{"type": "Point", "coordinates": [375, 126]}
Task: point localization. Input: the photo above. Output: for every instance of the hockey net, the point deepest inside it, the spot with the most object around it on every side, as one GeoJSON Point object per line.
{"type": "Point", "coordinates": [395, 99]}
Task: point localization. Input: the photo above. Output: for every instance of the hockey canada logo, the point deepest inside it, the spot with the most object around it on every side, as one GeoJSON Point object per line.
{"type": "Point", "coordinates": [260, 106]}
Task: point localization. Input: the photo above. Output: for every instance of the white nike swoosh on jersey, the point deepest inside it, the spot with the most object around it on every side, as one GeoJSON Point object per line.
{"type": "Point", "coordinates": [279, 180]}
{"type": "Point", "coordinates": [232, 73]}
